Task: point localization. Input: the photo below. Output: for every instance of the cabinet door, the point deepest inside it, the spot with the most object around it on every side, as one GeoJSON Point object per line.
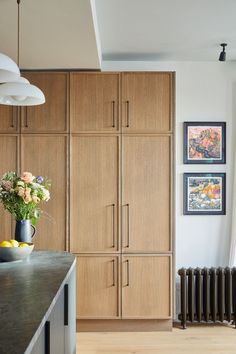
{"type": "Point", "coordinates": [146, 102]}
{"type": "Point", "coordinates": [8, 119]}
{"type": "Point", "coordinates": [8, 157]}
{"type": "Point", "coordinates": [146, 194]}
{"type": "Point", "coordinates": [70, 321]}
{"type": "Point", "coordinates": [94, 194]}
{"type": "Point", "coordinates": [46, 156]}
{"type": "Point", "coordinates": [97, 287]}
{"type": "Point", "coordinates": [52, 115]}
{"type": "Point", "coordinates": [94, 102]}
{"type": "Point", "coordinates": [146, 287]}
{"type": "Point", "coordinates": [57, 329]}
{"type": "Point", "coordinates": [39, 346]}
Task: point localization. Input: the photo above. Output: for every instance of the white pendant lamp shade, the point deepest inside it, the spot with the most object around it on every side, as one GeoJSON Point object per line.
{"type": "Point", "coordinates": [9, 71]}
{"type": "Point", "coordinates": [21, 93]}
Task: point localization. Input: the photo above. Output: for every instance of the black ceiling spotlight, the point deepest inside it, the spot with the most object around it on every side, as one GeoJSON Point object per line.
{"type": "Point", "coordinates": [222, 56]}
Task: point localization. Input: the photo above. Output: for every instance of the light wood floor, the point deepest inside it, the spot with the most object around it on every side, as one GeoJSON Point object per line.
{"type": "Point", "coordinates": [195, 340]}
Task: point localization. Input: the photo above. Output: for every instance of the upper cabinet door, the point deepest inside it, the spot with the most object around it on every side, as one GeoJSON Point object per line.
{"type": "Point", "coordinates": [51, 116]}
{"type": "Point", "coordinates": [8, 119]}
{"type": "Point", "coordinates": [146, 190]}
{"type": "Point", "coordinates": [46, 156]}
{"type": "Point", "coordinates": [147, 102]}
{"type": "Point", "coordinates": [94, 194]}
{"type": "Point", "coordinates": [94, 102]}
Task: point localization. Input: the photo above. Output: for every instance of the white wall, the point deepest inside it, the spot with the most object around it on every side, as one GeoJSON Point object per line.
{"type": "Point", "coordinates": [205, 91]}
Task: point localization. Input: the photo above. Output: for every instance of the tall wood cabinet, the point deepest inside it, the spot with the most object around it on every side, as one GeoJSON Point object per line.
{"type": "Point", "coordinates": [121, 194]}
{"type": "Point", "coordinates": [105, 140]}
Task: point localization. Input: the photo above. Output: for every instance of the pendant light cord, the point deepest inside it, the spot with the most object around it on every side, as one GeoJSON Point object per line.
{"type": "Point", "coordinates": [18, 32]}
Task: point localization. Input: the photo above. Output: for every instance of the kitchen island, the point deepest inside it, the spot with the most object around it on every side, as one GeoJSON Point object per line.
{"type": "Point", "coordinates": [37, 304]}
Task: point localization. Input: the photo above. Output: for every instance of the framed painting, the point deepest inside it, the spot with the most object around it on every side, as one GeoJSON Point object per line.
{"type": "Point", "coordinates": [204, 142]}
{"type": "Point", "coordinates": [204, 193]}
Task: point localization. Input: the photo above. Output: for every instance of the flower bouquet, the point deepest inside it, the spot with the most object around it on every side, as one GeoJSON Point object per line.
{"type": "Point", "coordinates": [21, 196]}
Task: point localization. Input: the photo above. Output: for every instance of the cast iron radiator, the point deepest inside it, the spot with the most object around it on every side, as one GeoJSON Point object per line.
{"type": "Point", "coordinates": [207, 295]}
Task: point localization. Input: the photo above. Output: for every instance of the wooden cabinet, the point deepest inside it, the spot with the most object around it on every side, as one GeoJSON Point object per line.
{"type": "Point", "coordinates": [9, 120]}
{"type": "Point", "coordinates": [146, 287]}
{"type": "Point", "coordinates": [97, 287]}
{"type": "Point", "coordinates": [147, 104]}
{"type": "Point", "coordinates": [51, 116]}
{"type": "Point", "coordinates": [94, 102]}
{"type": "Point", "coordinates": [9, 162]}
{"type": "Point", "coordinates": [46, 156]}
{"type": "Point", "coordinates": [146, 194]}
{"type": "Point", "coordinates": [94, 193]}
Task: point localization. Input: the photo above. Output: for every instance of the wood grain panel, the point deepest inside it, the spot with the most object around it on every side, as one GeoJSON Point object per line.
{"type": "Point", "coordinates": [97, 286]}
{"type": "Point", "coordinates": [94, 194]}
{"type": "Point", "coordinates": [94, 102]}
{"type": "Point", "coordinates": [146, 194]}
{"type": "Point", "coordinates": [8, 157]}
{"type": "Point", "coordinates": [8, 119]}
{"type": "Point", "coordinates": [146, 287]}
{"type": "Point", "coordinates": [46, 156]}
{"type": "Point", "coordinates": [146, 102]}
{"type": "Point", "coordinates": [52, 115]}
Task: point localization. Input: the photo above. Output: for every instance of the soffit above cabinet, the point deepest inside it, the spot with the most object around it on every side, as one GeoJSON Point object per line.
{"type": "Point", "coordinates": [53, 34]}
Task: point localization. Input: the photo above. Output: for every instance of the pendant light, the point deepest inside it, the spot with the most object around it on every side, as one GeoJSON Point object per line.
{"type": "Point", "coordinates": [9, 71]}
{"type": "Point", "coordinates": [20, 92]}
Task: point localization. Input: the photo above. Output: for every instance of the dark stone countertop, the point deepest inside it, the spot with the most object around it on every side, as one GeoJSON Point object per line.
{"type": "Point", "coordinates": [28, 291]}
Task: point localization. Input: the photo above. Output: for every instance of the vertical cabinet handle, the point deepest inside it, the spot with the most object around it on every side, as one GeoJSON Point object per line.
{"type": "Point", "coordinates": [127, 114]}
{"type": "Point", "coordinates": [113, 226]}
{"type": "Point", "coordinates": [13, 118]}
{"type": "Point", "coordinates": [128, 233]}
{"type": "Point", "coordinates": [113, 273]}
{"type": "Point", "coordinates": [47, 337]}
{"type": "Point", "coordinates": [127, 273]}
{"type": "Point", "coordinates": [66, 305]}
{"type": "Point", "coordinates": [26, 118]}
{"type": "Point", "coordinates": [113, 114]}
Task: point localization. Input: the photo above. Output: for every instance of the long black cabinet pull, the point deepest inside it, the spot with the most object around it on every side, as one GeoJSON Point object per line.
{"type": "Point", "coordinates": [66, 304]}
{"type": "Point", "coordinates": [47, 337]}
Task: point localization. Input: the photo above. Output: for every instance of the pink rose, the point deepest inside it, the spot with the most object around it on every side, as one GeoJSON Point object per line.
{"type": "Point", "coordinates": [21, 192]}
{"type": "Point", "coordinates": [27, 177]}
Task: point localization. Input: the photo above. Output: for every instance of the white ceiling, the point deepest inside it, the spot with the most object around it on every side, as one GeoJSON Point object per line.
{"type": "Point", "coordinates": [166, 29]}
{"type": "Point", "coordinates": [73, 33]}
{"type": "Point", "coordinates": [54, 33]}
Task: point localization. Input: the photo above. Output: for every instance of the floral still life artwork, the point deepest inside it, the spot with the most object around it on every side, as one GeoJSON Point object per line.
{"type": "Point", "coordinates": [204, 142]}
{"type": "Point", "coordinates": [204, 193]}
{"type": "Point", "coordinates": [22, 194]}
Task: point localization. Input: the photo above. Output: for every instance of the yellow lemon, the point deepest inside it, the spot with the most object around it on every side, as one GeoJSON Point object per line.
{"type": "Point", "coordinates": [14, 243]}
{"type": "Point", "coordinates": [23, 244]}
{"type": "Point", "coordinates": [5, 244]}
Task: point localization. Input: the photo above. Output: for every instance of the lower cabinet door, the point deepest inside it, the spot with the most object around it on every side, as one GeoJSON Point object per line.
{"type": "Point", "coordinates": [97, 287]}
{"type": "Point", "coordinates": [146, 286]}
{"type": "Point", "coordinates": [39, 346]}
{"type": "Point", "coordinates": [70, 314]}
{"type": "Point", "coordinates": [57, 329]}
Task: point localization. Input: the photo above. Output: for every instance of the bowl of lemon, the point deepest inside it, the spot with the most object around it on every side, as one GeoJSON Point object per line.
{"type": "Point", "coordinates": [13, 250]}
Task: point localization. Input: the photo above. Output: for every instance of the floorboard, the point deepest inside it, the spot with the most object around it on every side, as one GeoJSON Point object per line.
{"type": "Point", "coordinates": [199, 339]}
